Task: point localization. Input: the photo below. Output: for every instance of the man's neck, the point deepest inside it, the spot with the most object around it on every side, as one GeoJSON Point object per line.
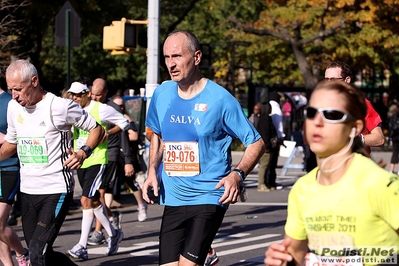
{"type": "Point", "coordinates": [188, 91]}
{"type": "Point", "coordinates": [40, 94]}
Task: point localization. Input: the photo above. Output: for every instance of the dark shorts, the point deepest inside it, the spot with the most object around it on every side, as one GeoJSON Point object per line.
{"type": "Point", "coordinates": [90, 180]}
{"type": "Point", "coordinates": [9, 185]}
{"type": "Point", "coordinates": [188, 231]}
{"type": "Point", "coordinates": [109, 175]}
{"type": "Point", "coordinates": [132, 183]}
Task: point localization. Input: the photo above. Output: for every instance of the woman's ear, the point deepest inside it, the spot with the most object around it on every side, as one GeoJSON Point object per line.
{"type": "Point", "coordinates": [359, 127]}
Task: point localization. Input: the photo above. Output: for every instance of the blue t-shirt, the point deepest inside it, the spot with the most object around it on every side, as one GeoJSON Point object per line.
{"type": "Point", "coordinates": [12, 163]}
{"type": "Point", "coordinates": [213, 118]}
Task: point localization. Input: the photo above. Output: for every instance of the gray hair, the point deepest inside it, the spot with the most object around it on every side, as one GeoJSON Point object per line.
{"type": "Point", "coordinates": [25, 68]}
{"type": "Point", "coordinates": [193, 42]}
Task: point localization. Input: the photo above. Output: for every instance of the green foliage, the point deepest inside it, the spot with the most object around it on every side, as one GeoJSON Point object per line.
{"type": "Point", "coordinates": [363, 33]}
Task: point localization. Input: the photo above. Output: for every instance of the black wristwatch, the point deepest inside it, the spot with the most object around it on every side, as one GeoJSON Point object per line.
{"type": "Point", "coordinates": [241, 173]}
{"type": "Point", "coordinates": [87, 150]}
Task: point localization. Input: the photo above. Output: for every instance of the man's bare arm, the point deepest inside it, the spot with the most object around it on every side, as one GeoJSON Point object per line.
{"type": "Point", "coordinates": [156, 150]}
{"type": "Point", "coordinates": [7, 150]}
{"type": "Point", "coordinates": [251, 156]}
{"type": "Point", "coordinates": [375, 138]}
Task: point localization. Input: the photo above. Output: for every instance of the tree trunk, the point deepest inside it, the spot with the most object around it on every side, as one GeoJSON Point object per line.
{"type": "Point", "coordinates": [307, 74]}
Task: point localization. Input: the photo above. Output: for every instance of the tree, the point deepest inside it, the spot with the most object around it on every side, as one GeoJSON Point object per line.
{"type": "Point", "coordinates": [274, 42]}
{"type": "Point", "coordinates": [35, 41]}
{"type": "Point", "coordinates": [10, 27]}
{"type": "Point", "coordinates": [317, 31]}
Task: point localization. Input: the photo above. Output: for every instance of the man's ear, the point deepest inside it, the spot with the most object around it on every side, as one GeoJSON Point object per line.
{"type": "Point", "coordinates": [348, 79]}
{"type": "Point", "coordinates": [197, 57]}
{"type": "Point", "coordinates": [35, 81]}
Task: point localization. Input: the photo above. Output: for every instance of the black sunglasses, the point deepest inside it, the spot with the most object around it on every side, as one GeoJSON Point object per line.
{"type": "Point", "coordinates": [329, 115]}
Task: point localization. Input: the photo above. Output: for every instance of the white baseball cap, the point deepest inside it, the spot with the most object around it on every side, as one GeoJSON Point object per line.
{"type": "Point", "coordinates": [77, 87]}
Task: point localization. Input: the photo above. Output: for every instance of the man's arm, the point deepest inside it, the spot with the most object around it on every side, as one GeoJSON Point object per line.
{"type": "Point", "coordinates": [7, 150]}
{"type": "Point", "coordinates": [2, 138]}
{"type": "Point", "coordinates": [127, 154]}
{"type": "Point", "coordinates": [114, 130]}
{"type": "Point", "coordinates": [76, 159]}
{"type": "Point", "coordinates": [110, 116]}
{"type": "Point", "coordinates": [251, 156]}
{"type": "Point", "coordinates": [232, 181]}
{"type": "Point", "coordinates": [154, 161]}
{"type": "Point", "coordinates": [95, 137]}
{"type": "Point", "coordinates": [375, 138]}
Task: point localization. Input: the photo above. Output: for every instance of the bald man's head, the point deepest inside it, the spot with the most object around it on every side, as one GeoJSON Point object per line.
{"type": "Point", "coordinates": [99, 90]}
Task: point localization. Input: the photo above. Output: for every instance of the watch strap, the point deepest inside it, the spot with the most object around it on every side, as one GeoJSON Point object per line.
{"type": "Point", "coordinates": [240, 173]}
{"type": "Point", "coordinates": [88, 151]}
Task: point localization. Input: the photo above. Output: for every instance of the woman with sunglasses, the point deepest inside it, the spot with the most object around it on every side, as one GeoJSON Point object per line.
{"type": "Point", "coordinates": [348, 205]}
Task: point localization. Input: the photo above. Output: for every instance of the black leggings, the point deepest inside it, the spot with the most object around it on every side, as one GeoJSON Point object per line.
{"type": "Point", "coordinates": [42, 218]}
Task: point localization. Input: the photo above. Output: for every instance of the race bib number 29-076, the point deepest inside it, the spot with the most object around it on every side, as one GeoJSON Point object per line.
{"type": "Point", "coordinates": [181, 158]}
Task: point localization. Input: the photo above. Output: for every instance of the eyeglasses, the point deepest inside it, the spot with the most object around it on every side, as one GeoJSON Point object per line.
{"type": "Point", "coordinates": [329, 79]}
{"type": "Point", "coordinates": [329, 115]}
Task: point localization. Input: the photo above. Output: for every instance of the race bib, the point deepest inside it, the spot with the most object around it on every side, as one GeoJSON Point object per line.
{"type": "Point", "coordinates": [32, 150]}
{"type": "Point", "coordinates": [181, 158]}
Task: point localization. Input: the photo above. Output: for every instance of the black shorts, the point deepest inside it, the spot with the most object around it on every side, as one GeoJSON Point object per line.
{"type": "Point", "coordinates": [9, 186]}
{"type": "Point", "coordinates": [90, 180]}
{"type": "Point", "coordinates": [132, 183]}
{"type": "Point", "coordinates": [188, 231]}
{"type": "Point", "coordinates": [109, 175]}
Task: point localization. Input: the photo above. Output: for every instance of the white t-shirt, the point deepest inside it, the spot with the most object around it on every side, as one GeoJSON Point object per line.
{"type": "Point", "coordinates": [43, 135]}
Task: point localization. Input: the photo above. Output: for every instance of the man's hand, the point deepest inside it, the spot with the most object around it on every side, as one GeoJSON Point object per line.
{"type": "Point", "coordinates": [75, 159]}
{"type": "Point", "coordinates": [151, 181]}
{"type": "Point", "coordinates": [129, 169]}
{"type": "Point", "coordinates": [231, 185]}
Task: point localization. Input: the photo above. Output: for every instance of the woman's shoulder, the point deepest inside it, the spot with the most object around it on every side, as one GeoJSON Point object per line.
{"type": "Point", "coordinates": [306, 180]}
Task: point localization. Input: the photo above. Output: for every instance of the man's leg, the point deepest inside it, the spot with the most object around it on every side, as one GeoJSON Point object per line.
{"type": "Point", "coordinates": [7, 233]}
{"type": "Point", "coordinates": [138, 195]}
{"type": "Point", "coordinates": [15, 210]}
{"type": "Point", "coordinates": [5, 254]}
{"type": "Point", "coordinates": [262, 171]}
{"type": "Point", "coordinates": [90, 181]}
{"type": "Point", "coordinates": [9, 182]}
{"type": "Point", "coordinates": [52, 210]}
{"type": "Point", "coordinates": [187, 233]}
{"type": "Point", "coordinates": [98, 227]}
{"type": "Point", "coordinates": [271, 171]}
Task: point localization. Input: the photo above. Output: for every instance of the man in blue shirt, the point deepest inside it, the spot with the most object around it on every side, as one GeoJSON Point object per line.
{"type": "Point", "coordinates": [194, 121]}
